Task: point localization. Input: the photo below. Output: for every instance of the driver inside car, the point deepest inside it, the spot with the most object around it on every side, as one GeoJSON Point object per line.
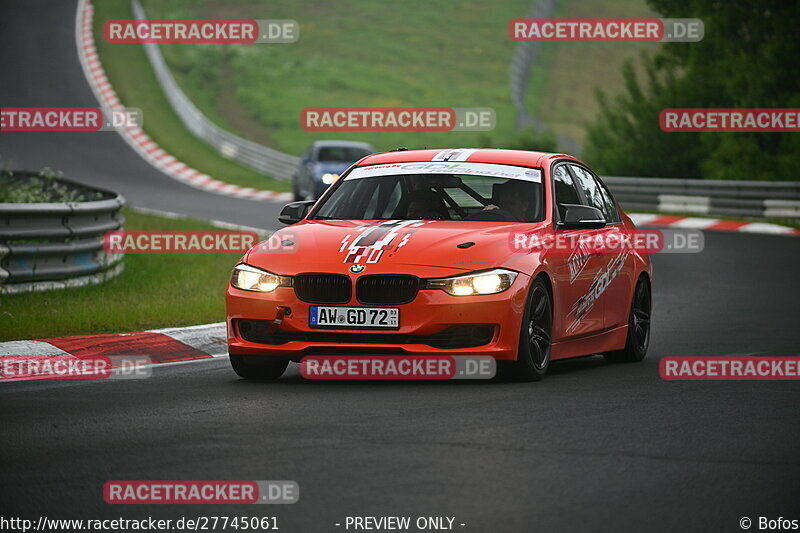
{"type": "Point", "coordinates": [426, 205]}
{"type": "Point", "coordinates": [511, 196]}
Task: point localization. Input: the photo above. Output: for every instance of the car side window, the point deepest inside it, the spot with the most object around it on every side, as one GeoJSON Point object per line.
{"type": "Point", "coordinates": [591, 191]}
{"type": "Point", "coordinates": [565, 190]}
{"type": "Point", "coordinates": [613, 215]}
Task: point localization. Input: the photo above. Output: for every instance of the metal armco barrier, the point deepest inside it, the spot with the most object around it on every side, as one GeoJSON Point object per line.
{"type": "Point", "coordinates": [47, 246]}
{"type": "Point", "coordinates": [269, 161]}
{"type": "Point", "coordinates": [522, 61]}
{"type": "Point", "coordinates": [761, 199]}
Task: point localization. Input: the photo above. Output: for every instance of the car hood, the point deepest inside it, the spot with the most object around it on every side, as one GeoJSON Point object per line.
{"type": "Point", "coordinates": [419, 247]}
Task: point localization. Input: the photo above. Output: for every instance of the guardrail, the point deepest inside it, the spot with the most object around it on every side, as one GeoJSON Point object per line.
{"type": "Point", "coordinates": [525, 55]}
{"type": "Point", "coordinates": [762, 199]}
{"type": "Point", "coordinates": [269, 161]}
{"type": "Point", "coordinates": [46, 246]}
{"type": "Point", "coordinates": [521, 62]}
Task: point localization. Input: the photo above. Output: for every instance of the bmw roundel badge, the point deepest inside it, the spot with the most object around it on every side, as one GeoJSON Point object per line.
{"type": "Point", "coordinates": [357, 269]}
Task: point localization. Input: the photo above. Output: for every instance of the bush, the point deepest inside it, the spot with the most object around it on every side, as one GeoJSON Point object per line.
{"type": "Point", "coordinates": [747, 59]}
{"type": "Point", "coordinates": [43, 187]}
{"type": "Point", "coordinates": [528, 139]}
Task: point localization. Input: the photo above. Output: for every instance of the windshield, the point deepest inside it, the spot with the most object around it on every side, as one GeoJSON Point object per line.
{"type": "Point", "coordinates": [436, 196]}
{"type": "Point", "coordinates": [341, 154]}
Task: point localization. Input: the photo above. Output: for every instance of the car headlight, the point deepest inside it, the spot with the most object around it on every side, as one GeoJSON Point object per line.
{"type": "Point", "coordinates": [489, 282]}
{"type": "Point", "coordinates": [329, 178]}
{"type": "Point", "coordinates": [250, 278]}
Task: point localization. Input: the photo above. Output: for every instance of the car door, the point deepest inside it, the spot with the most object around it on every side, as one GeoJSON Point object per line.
{"type": "Point", "coordinates": [613, 279]}
{"type": "Point", "coordinates": [579, 268]}
{"type": "Point", "coordinates": [620, 291]}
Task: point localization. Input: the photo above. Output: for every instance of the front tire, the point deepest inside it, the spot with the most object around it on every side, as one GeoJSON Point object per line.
{"type": "Point", "coordinates": [262, 367]}
{"type": "Point", "coordinates": [638, 327]}
{"type": "Point", "coordinates": [535, 337]}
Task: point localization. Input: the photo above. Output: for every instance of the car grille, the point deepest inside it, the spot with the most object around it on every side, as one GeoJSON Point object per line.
{"type": "Point", "coordinates": [323, 288]}
{"type": "Point", "coordinates": [462, 336]}
{"type": "Point", "coordinates": [386, 289]}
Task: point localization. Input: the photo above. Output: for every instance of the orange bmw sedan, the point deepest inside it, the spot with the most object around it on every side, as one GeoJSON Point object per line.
{"type": "Point", "coordinates": [424, 253]}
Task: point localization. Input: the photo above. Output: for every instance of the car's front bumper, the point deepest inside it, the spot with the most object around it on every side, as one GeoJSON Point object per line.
{"type": "Point", "coordinates": [423, 329]}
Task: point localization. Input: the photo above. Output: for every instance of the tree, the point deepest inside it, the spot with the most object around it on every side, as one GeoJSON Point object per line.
{"type": "Point", "coordinates": [749, 58]}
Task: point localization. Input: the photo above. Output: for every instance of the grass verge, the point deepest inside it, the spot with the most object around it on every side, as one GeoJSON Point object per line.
{"type": "Point", "coordinates": [154, 291]}
{"type": "Point", "coordinates": [562, 91]}
{"type": "Point", "coordinates": [351, 53]}
{"type": "Point", "coordinates": [457, 55]}
{"type": "Point", "coordinates": [130, 74]}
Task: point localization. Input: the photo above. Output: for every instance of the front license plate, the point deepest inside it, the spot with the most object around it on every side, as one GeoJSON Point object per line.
{"type": "Point", "coordinates": [354, 317]}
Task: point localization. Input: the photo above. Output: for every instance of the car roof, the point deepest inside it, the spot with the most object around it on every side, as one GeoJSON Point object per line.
{"type": "Point", "coordinates": [523, 158]}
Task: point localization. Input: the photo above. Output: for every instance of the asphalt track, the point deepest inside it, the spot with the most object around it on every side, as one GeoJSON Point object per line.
{"type": "Point", "coordinates": [45, 72]}
{"type": "Point", "coordinates": [593, 447]}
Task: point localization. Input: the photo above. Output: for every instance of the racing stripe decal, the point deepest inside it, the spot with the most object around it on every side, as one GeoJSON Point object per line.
{"type": "Point", "coordinates": [454, 154]}
{"type": "Point", "coordinates": [601, 281]}
{"type": "Point", "coordinates": [374, 240]}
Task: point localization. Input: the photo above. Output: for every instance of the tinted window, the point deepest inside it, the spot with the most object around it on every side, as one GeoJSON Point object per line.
{"type": "Point", "coordinates": [565, 189]}
{"type": "Point", "coordinates": [591, 190]}
{"type": "Point", "coordinates": [384, 199]}
{"type": "Point", "coordinates": [434, 197]}
{"type": "Point", "coordinates": [609, 201]}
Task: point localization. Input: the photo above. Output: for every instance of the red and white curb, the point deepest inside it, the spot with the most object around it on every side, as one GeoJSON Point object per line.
{"type": "Point", "coordinates": [643, 219]}
{"type": "Point", "coordinates": [135, 136]}
{"type": "Point", "coordinates": [161, 346]}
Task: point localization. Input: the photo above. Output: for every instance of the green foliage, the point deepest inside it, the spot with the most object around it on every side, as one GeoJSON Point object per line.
{"type": "Point", "coordinates": [456, 55]}
{"type": "Point", "coordinates": [528, 139]}
{"type": "Point", "coordinates": [42, 187]}
{"type": "Point", "coordinates": [747, 59]}
{"type": "Point", "coordinates": [532, 140]}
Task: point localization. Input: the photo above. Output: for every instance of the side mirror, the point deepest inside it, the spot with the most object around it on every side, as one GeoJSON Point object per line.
{"type": "Point", "coordinates": [582, 217]}
{"type": "Point", "coordinates": [295, 212]}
